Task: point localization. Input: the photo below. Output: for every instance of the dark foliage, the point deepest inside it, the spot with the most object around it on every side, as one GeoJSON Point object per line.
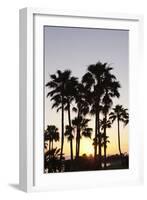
{"type": "Point", "coordinates": [93, 95]}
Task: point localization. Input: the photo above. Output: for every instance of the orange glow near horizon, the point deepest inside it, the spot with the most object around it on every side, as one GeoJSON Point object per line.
{"type": "Point", "coordinates": [87, 148]}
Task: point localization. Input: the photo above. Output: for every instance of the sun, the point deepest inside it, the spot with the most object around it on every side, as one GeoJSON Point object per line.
{"type": "Point", "coordinates": [86, 147]}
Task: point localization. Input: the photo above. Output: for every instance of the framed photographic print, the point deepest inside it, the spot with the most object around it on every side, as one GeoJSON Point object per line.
{"type": "Point", "coordinates": [79, 111]}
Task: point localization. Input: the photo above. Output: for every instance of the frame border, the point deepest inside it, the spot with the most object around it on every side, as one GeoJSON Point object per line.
{"type": "Point", "coordinates": [26, 83]}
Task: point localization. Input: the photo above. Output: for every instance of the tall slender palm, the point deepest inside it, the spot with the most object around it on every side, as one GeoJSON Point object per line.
{"type": "Point", "coordinates": [63, 91]}
{"type": "Point", "coordinates": [70, 92]}
{"type": "Point", "coordinates": [57, 95]}
{"type": "Point", "coordinates": [119, 114]}
{"type": "Point", "coordinates": [81, 126]}
{"type": "Point", "coordinates": [111, 90]}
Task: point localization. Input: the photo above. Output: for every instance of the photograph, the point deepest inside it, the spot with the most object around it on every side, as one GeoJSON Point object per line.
{"type": "Point", "coordinates": [86, 99]}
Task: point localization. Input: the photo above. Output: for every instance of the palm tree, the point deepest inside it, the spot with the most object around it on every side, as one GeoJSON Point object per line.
{"type": "Point", "coordinates": [101, 84]}
{"type": "Point", "coordinates": [92, 81]}
{"type": "Point", "coordinates": [58, 96]}
{"type": "Point", "coordinates": [56, 136]}
{"type": "Point", "coordinates": [111, 87]}
{"type": "Point", "coordinates": [46, 139]}
{"type": "Point", "coordinates": [51, 134]}
{"type": "Point", "coordinates": [119, 114]}
{"type": "Point", "coordinates": [70, 92]}
{"type": "Point", "coordinates": [82, 129]}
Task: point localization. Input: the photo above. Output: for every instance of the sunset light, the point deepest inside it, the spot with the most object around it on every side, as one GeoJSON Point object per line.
{"type": "Point", "coordinates": [86, 99]}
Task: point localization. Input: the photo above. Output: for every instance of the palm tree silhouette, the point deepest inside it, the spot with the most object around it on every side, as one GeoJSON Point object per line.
{"type": "Point", "coordinates": [92, 96]}
{"type": "Point", "coordinates": [51, 134]}
{"type": "Point", "coordinates": [121, 115]}
{"type": "Point", "coordinates": [102, 85]}
{"type": "Point", "coordinates": [92, 81]}
{"type": "Point", "coordinates": [58, 96]}
{"type": "Point", "coordinates": [111, 87]}
{"type": "Point", "coordinates": [81, 126]}
{"type": "Point", "coordinates": [70, 92]}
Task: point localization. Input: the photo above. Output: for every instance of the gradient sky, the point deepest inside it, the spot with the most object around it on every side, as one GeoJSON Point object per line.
{"type": "Point", "coordinates": [76, 48]}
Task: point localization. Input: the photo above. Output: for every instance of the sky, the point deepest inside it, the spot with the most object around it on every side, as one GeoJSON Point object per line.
{"type": "Point", "coordinates": [76, 48]}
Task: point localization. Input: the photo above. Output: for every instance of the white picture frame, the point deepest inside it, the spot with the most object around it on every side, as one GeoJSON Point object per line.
{"type": "Point", "coordinates": [31, 102]}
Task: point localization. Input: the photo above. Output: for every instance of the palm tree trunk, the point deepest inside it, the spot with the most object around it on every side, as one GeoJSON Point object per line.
{"type": "Point", "coordinates": [105, 145]}
{"type": "Point", "coordinates": [52, 145]}
{"type": "Point", "coordinates": [95, 146]}
{"type": "Point", "coordinates": [69, 120]}
{"type": "Point", "coordinates": [99, 133]}
{"type": "Point", "coordinates": [78, 139]}
{"type": "Point", "coordinates": [62, 129]}
{"type": "Point", "coordinates": [78, 142]}
{"type": "Point", "coordinates": [119, 145]}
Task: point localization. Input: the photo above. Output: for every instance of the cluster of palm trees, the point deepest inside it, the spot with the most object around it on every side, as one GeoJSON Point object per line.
{"type": "Point", "coordinates": [92, 95]}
